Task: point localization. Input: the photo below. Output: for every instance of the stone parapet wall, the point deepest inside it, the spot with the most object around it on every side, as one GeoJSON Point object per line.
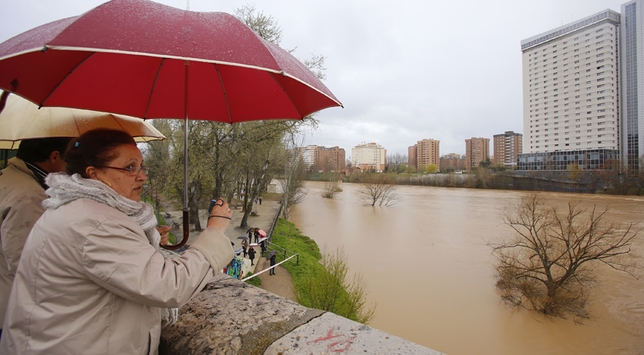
{"type": "Point", "coordinates": [232, 317]}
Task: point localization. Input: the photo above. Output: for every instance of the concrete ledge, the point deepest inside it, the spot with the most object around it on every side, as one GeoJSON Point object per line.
{"type": "Point", "coordinates": [331, 334]}
{"type": "Point", "coordinates": [232, 317]}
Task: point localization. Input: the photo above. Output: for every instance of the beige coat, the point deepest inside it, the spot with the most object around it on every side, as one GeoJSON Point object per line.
{"type": "Point", "coordinates": [21, 199]}
{"type": "Point", "coordinates": [89, 282]}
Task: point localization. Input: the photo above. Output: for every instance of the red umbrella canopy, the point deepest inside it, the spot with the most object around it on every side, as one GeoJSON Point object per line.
{"type": "Point", "coordinates": [148, 60]}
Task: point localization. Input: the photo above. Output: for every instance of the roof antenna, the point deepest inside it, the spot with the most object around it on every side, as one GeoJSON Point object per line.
{"type": "Point", "coordinates": [187, 5]}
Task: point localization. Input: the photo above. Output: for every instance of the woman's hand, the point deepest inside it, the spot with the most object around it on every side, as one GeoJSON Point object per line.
{"type": "Point", "coordinates": [220, 215]}
{"type": "Point", "coordinates": [164, 231]}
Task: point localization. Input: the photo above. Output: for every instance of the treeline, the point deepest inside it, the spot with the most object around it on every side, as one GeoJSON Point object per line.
{"type": "Point", "coordinates": [236, 162]}
{"type": "Point", "coordinates": [604, 181]}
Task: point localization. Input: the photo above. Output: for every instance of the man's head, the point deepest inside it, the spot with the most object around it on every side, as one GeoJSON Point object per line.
{"type": "Point", "coordinates": [46, 153]}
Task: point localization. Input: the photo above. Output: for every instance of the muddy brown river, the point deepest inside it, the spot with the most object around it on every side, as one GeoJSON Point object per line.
{"type": "Point", "coordinates": [429, 271]}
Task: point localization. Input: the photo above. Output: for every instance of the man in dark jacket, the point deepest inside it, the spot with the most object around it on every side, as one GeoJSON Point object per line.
{"type": "Point", "coordinates": [251, 255]}
{"type": "Point", "coordinates": [272, 259]}
{"type": "Point", "coordinates": [22, 190]}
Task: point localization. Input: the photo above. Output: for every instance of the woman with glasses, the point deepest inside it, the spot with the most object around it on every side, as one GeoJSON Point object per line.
{"type": "Point", "coordinates": [92, 279]}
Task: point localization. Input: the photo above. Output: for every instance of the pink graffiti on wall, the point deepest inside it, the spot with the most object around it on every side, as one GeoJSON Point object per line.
{"type": "Point", "coordinates": [336, 343]}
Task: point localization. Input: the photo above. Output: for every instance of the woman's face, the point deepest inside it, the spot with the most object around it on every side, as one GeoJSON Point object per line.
{"type": "Point", "coordinates": [114, 174]}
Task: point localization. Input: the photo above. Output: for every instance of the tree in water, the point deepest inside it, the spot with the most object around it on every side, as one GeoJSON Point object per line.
{"type": "Point", "coordinates": [378, 188]}
{"type": "Point", "coordinates": [550, 263]}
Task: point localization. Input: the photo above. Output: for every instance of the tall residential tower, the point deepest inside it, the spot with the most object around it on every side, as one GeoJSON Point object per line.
{"type": "Point", "coordinates": [507, 147]}
{"type": "Point", "coordinates": [477, 150]}
{"type": "Point", "coordinates": [369, 156]}
{"type": "Point", "coordinates": [571, 95]}
{"type": "Point", "coordinates": [426, 152]}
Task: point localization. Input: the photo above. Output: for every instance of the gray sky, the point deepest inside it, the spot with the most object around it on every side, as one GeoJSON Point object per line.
{"type": "Point", "coordinates": [404, 70]}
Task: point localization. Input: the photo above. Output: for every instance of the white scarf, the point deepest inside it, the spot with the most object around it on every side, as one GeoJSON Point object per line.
{"type": "Point", "coordinates": [65, 188]}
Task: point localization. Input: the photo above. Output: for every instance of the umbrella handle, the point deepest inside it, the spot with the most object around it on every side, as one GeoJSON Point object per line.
{"type": "Point", "coordinates": [186, 234]}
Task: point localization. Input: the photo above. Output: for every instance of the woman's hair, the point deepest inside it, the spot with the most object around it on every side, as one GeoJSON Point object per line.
{"type": "Point", "coordinates": [94, 148]}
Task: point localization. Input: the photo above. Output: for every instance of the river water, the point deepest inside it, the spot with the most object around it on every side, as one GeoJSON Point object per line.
{"type": "Point", "coordinates": [428, 268]}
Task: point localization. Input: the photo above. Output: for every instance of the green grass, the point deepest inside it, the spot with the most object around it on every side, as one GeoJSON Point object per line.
{"type": "Point", "coordinates": [315, 287]}
{"type": "Point", "coordinates": [255, 281]}
{"type": "Point", "coordinates": [289, 237]}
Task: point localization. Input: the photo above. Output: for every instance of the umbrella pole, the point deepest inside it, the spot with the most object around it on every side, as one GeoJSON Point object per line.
{"type": "Point", "coordinates": [186, 215]}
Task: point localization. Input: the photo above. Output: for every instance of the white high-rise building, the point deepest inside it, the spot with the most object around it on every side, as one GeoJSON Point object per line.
{"type": "Point", "coordinates": [308, 155]}
{"type": "Point", "coordinates": [369, 156]}
{"type": "Point", "coordinates": [570, 86]}
{"type": "Point", "coordinates": [571, 95]}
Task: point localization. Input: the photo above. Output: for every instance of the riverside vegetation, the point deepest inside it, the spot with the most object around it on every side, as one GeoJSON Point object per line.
{"type": "Point", "coordinates": [321, 280]}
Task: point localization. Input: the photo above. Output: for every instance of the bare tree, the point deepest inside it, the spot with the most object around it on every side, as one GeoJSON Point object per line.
{"type": "Point", "coordinates": [332, 185]}
{"type": "Point", "coordinates": [550, 263]}
{"type": "Point", "coordinates": [265, 26]}
{"type": "Point", "coordinates": [378, 189]}
{"type": "Point", "coordinates": [396, 163]}
{"type": "Point", "coordinates": [294, 172]}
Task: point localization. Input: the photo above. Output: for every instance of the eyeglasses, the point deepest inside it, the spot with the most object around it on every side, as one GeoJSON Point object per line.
{"type": "Point", "coordinates": [131, 170]}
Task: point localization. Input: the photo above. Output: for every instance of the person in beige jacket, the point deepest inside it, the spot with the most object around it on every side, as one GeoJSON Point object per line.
{"type": "Point", "coordinates": [92, 279]}
{"type": "Point", "coordinates": [22, 190]}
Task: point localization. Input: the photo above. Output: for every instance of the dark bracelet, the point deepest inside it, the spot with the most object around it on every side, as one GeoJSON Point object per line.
{"type": "Point", "coordinates": [209, 217]}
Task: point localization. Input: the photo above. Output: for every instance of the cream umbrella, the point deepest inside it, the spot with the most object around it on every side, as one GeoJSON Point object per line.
{"type": "Point", "coordinates": [22, 119]}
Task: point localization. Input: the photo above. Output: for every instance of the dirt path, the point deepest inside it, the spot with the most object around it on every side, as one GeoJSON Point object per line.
{"type": "Point", "coordinates": [281, 283]}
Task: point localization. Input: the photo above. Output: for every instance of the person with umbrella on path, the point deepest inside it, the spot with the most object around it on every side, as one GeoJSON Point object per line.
{"type": "Point", "coordinates": [262, 245]}
{"type": "Point", "coordinates": [272, 257]}
{"type": "Point", "coordinates": [22, 190]}
{"type": "Point", "coordinates": [251, 255]}
{"type": "Point", "coordinates": [92, 278]}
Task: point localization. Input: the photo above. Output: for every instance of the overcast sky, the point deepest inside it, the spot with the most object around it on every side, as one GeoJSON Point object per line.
{"type": "Point", "coordinates": [404, 70]}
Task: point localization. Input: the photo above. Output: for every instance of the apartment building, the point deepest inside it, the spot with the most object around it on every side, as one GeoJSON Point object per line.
{"type": "Point", "coordinates": [476, 151]}
{"type": "Point", "coordinates": [308, 155]}
{"type": "Point", "coordinates": [412, 156]}
{"type": "Point", "coordinates": [330, 159]}
{"type": "Point", "coordinates": [369, 156]}
{"type": "Point", "coordinates": [571, 95]}
{"type": "Point", "coordinates": [318, 158]}
{"type": "Point", "coordinates": [507, 147]}
{"type": "Point", "coordinates": [452, 162]}
{"type": "Point", "coordinates": [425, 152]}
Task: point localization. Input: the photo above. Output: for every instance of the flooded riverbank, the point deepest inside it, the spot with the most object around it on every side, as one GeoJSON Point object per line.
{"type": "Point", "coordinates": [429, 269]}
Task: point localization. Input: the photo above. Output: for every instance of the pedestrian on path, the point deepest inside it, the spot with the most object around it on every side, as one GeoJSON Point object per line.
{"type": "Point", "coordinates": [251, 255]}
{"type": "Point", "coordinates": [272, 259]}
{"type": "Point", "coordinates": [244, 244]}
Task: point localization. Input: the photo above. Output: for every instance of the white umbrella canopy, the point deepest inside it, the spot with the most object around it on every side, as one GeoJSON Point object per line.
{"type": "Point", "coordinates": [22, 119]}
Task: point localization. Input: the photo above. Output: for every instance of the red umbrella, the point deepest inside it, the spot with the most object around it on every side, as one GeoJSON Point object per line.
{"type": "Point", "coordinates": [139, 58]}
{"type": "Point", "coordinates": [143, 59]}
